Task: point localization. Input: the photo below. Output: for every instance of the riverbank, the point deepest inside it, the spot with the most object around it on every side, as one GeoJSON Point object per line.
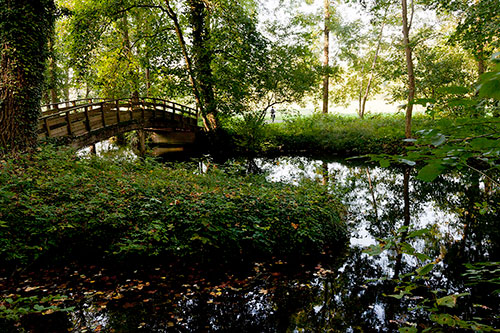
{"type": "Point", "coordinates": [340, 135]}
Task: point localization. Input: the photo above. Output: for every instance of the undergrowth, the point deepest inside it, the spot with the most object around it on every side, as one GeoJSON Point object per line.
{"type": "Point", "coordinates": [55, 205]}
{"type": "Point", "coordinates": [337, 134]}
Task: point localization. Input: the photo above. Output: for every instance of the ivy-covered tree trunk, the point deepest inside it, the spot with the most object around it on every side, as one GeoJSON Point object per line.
{"type": "Point", "coordinates": [25, 27]}
{"type": "Point", "coordinates": [202, 61]}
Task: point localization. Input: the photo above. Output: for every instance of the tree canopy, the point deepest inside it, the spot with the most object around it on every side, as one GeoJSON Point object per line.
{"type": "Point", "coordinates": [230, 58]}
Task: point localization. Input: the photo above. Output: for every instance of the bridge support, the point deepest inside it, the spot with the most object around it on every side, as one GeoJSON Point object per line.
{"type": "Point", "coordinates": [141, 143]}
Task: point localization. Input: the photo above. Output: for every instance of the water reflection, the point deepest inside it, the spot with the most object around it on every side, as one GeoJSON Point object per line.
{"type": "Point", "coordinates": [460, 211]}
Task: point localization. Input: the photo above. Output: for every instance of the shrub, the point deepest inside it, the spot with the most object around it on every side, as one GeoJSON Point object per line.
{"type": "Point", "coordinates": [54, 204]}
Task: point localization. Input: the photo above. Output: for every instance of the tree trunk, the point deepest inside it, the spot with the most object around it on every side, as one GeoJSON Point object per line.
{"type": "Point", "coordinates": [407, 219]}
{"type": "Point", "coordinates": [25, 27]}
{"type": "Point", "coordinates": [481, 66]}
{"type": "Point", "coordinates": [202, 85]}
{"type": "Point", "coordinates": [148, 81]}
{"type": "Point", "coordinates": [202, 60]}
{"type": "Point", "coordinates": [409, 67]}
{"type": "Point", "coordinates": [372, 70]}
{"type": "Point", "coordinates": [326, 55]}
{"type": "Point", "coordinates": [129, 55]}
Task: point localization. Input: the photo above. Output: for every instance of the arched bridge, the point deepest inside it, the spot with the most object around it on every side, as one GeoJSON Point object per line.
{"type": "Point", "coordinates": [87, 121]}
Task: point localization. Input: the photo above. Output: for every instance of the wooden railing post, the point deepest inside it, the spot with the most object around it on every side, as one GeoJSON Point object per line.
{"type": "Point", "coordinates": [164, 105]}
{"type": "Point", "coordinates": [142, 108]}
{"type": "Point", "coordinates": [68, 121]}
{"type": "Point", "coordinates": [154, 109]}
{"type": "Point", "coordinates": [103, 116]}
{"type": "Point", "coordinates": [130, 108]}
{"type": "Point", "coordinates": [87, 118]}
{"type": "Point", "coordinates": [117, 105]}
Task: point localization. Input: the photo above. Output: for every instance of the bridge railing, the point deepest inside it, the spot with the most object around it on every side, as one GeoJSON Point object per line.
{"type": "Point", "coordinates": [61, 106]}
{"type": "Point", "coordinates": [79, 117]}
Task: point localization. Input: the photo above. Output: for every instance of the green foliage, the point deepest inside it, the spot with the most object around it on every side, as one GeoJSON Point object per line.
{"type": "Point", "coordinates": [413, 285]}
{"type": "Point", "coordinates": [479, 26]}
{"type": "Point", "coordinates": [337, 134]}
{"type": "Point", "coordinates": [25, 27]}
{"type": "Point", "coordinates": [16, 306]}
{"type": "Point", "coordinates": [489, 83]}
{"type": "Point", "coordinates": [452, 145]}
{"type": "Point", "coordinates": [56, 204]}
{"type": "Point", "coordinates": [249, 133]}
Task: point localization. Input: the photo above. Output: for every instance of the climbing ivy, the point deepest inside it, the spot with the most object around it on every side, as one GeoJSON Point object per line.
{"type": "Point", "coordinates": [25, 26]}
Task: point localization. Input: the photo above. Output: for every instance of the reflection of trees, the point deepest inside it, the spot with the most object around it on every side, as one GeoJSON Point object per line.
{"type": "Point", "coordinates": [346, 301]}
{"type": "Point", "coordinates": [381, 201]}
{"type": "Point", "coordinates": [451, 206]}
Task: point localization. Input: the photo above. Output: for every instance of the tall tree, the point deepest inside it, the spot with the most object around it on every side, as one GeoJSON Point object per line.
{"type": "Point", "coordinates": [364, 98]}
{"type": "Point", "coordinates": [326, 55]}
{"type": "Point", "coordinates": [409, 63]}
{"type": "Point", "coordinates": [25, 28]}
{"type": "Point", "coordinates": [199, 61]}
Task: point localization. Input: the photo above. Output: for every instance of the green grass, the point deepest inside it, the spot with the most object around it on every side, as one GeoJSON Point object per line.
{"type": "Point", "coordinates": [331, 134]}
{"type": "Point", "coordinates": [341, 135]}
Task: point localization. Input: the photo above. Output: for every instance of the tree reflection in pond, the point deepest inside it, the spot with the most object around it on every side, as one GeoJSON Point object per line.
{"type": "Point", "coordinates": [460, 211]}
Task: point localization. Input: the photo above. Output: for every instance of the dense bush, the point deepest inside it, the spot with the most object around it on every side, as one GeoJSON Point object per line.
{"type": "Point", "coordinates": [55, 204]}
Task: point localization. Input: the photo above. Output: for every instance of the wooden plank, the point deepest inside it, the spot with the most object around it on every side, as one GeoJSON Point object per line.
{"type": "Point", "coordinates": [56, 122]}
{"type": "Point", "coordinates": [110, 119]}
{"type": "Point", "coordinates": [79, 128]}
{"type": "Point", "coordinates": [96, 123]}
{"type": "Point", "coordinates": [58, 132]}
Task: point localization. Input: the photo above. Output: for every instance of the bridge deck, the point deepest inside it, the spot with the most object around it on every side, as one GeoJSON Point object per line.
{"type": "Point", "coordinates": [85, 121]}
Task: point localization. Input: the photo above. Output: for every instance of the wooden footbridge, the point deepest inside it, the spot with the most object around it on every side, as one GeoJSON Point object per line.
{"type": "Point", "coordinates": [85, 122]}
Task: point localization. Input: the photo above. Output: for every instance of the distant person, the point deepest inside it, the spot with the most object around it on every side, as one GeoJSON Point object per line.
{"type": "Point", "coordinates": [273, 114]}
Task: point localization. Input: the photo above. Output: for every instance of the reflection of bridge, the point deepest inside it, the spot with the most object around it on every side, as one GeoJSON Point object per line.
{"type": "Point", "coordinates": [87, 121]}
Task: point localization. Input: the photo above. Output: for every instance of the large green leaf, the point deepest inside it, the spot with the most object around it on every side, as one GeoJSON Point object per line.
{"type": "Point", "coordinates": [489, 86]}
{"type": "Point", "coordinates": [462, 102]}
{"type": "Point", "coordinates": [450, 300]}
{"type": "Point", "coordinates": [416, 233]}
{"type": "Point", "coordinates": [443, 319]}
{"type": "Point", "coordinates": [373, 250]}
{"type": "Point", "coordinates": [426, 269]}
{"type": "Point", "coordinates": [438, 140]}
{"type": "Point", "coordinates": [430, 172]}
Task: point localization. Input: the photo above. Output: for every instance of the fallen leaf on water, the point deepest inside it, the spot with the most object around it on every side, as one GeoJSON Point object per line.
{"type": "Point", "coordinates": [128, 305]}
{"type": "Point", "coordinates": [118, 296]}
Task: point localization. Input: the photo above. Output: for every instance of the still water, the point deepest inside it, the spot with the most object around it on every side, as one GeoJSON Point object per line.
{"type": "Point", "coordinates": [444, 225]}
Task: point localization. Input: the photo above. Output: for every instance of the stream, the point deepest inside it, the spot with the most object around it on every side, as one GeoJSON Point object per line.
{"type": "Point", "coordinates": [440, 226]}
